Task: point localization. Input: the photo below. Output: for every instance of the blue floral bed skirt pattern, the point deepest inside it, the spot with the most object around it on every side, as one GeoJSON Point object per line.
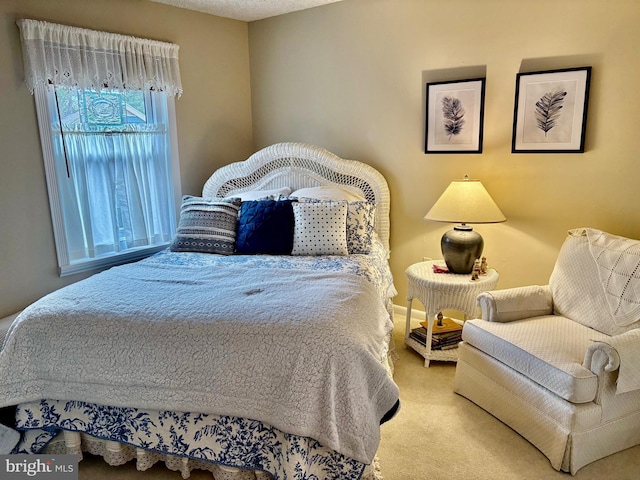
{"type": "Point", "coordinates": [224, 440]}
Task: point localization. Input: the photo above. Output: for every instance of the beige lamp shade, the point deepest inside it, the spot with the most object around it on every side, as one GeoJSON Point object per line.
{"type": "Point", "coordinates": [465, 201]}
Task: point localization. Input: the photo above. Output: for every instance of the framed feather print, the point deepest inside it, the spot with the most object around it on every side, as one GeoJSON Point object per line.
{"type": "Point", "coordinates": [454, 116]}
{"type": "Point", "coordinates": [550, 114]}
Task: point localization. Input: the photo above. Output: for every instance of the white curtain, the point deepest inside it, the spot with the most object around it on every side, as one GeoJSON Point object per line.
{"type": "Point", "coordinates": [77, 57]}
{"type": "Point", "coordinates": [115, 183]}
{"type": "Point", "coordinates": [117, 192]}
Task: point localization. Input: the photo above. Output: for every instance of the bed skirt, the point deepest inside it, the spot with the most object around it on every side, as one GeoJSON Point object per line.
{"type": "Point", "coordinates": [116, 454]}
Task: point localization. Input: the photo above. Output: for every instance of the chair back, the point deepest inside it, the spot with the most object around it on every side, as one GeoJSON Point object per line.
{"type": "Point", "coordinates": [596, 281]}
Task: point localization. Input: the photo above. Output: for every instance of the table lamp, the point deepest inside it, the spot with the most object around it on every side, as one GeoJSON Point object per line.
{"type": "Point", "coordinates": [464, 201]}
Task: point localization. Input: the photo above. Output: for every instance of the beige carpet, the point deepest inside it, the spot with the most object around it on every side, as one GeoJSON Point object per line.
{"type": "Point", "coordinates": [437, 435]}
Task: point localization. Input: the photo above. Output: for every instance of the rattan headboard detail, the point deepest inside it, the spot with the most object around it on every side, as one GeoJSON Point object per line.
{"type": "Point", "coordinates": [299, 165]}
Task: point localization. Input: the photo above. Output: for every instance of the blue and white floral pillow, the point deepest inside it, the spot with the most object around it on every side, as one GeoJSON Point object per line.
{"type": "Point", "coordinates": [360, 223]}
{"type": "Point", "coordinates": [360, 226]}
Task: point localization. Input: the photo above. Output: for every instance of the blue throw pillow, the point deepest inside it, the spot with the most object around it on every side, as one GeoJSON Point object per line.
{"type": "Point", "coordinates": [265, 227]}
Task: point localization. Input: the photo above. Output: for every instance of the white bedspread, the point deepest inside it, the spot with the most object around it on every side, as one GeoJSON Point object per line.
{"type": "Point", "coordinates": [261, 343]}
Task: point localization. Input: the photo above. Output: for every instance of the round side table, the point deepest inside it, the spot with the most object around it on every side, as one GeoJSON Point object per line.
{"type": "Point", "coordinates": [438, 291]}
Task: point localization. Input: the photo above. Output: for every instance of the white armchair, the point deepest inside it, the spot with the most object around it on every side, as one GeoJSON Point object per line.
{"type": "Point", "coordinates": [560, 364]}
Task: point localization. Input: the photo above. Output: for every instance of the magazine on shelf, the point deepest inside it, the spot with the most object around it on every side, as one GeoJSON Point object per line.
{"type": "Point", "coordinates": [438, 340]}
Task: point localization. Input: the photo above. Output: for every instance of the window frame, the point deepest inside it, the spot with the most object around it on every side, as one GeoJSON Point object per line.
{"type": "Point", "coordinates": [65, 266]}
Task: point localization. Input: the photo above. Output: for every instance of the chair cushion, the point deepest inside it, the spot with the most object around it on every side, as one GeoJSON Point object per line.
{"type": "Point", "coordinates": [549, 350]}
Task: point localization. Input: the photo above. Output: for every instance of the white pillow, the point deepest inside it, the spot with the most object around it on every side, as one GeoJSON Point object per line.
{"type": "Point", "coordinates": [260, 194]}
{"type": "Point", "coordinates": [327, 192]}
{"type": "Point", "coordinates": [320, 228]}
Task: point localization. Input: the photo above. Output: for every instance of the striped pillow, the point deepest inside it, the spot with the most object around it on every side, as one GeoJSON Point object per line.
{"type": "Point", "coordinates": [207, 225]}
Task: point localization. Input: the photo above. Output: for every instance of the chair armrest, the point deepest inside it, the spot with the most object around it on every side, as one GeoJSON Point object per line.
{"type": "Point", "coordinates": [601, 356]}
{"type": "Point", "coordinates": [515, 303]}
{"type": "Point", "coordinates": [619, 351]}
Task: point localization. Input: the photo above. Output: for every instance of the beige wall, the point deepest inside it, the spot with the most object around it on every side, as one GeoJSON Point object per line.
{"type": "Point", "coordinates": [213, 114]}
{"type": "Point", "coordinates": [351, 77]}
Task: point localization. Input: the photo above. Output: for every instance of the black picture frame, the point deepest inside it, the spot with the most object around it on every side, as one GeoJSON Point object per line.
{"type": "Point", "coordinates": [454, 120]}
{"type": "Point", "coordinates": [550, 111]}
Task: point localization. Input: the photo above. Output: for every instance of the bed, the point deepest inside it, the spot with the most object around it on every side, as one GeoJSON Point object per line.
{"type": "Point", "coordinates": [227, 352]}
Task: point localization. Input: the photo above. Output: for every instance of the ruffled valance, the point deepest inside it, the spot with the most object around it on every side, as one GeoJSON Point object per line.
{"type": "Point", "coordinates": [70, 56]}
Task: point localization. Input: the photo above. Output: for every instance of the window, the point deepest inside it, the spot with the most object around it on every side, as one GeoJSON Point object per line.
{"type": "Point", "coordinates": [110, 173]}
{"type": "Point", "coordinates": [105, 105]}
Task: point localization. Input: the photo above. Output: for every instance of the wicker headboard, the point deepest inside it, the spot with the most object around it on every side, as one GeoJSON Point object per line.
{"type": "Point", "coordinates": [298, 165]}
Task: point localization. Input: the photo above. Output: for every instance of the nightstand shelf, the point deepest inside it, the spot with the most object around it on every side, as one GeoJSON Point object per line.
{"type": "Point", "coordinates": [448, 355]}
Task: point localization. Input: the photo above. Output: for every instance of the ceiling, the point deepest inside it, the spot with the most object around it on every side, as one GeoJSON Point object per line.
{"type": "Point", "coordinates": [246, 10]}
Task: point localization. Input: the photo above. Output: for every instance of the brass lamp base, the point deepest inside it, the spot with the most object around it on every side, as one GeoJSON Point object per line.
{"type": "Point", "coordinates": [460, 248]}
